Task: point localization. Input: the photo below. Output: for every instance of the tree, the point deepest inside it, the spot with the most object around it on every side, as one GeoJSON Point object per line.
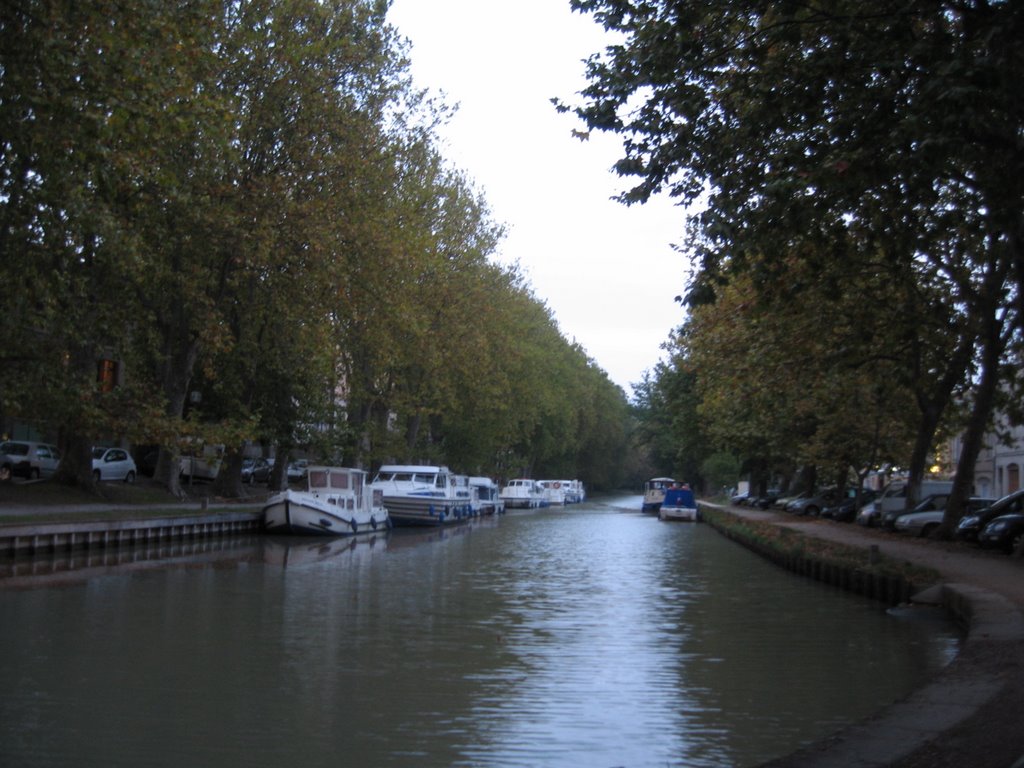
{"type": "Point", "coordinates": [898, 120]}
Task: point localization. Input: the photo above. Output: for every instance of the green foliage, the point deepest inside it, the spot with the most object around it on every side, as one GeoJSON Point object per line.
{"type": "Point", "coordinates": [244, 205]}
{"type": "Point", "coordinates": [859, 171]}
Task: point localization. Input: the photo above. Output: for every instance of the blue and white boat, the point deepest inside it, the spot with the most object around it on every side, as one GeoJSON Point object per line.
{"type": "Point", "coordinates": [679, 504]}
{"type": "Point", "coordinates": [336, 502]}
{"type": "Point", "coordinates": [419, 494]}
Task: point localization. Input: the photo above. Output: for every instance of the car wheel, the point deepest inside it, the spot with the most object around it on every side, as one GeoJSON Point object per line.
{"type": "Point", "coordinates": [130, 477]}
{"type": "Point", "coordinates": [96, 476]}
{"type": "Point", "coordinates": [926, 532]}
{"type": "Point", "coordinates": [1015, 542]}
{"type": "Point", "coordinates": [5, 473]}
{"type": "Point", "coordinates": [33, 473]}
{"type": "Point", "coordinates": [813, 511]}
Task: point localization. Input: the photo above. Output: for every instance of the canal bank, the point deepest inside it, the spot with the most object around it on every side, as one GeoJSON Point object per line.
{"type": "Point", "coordinates": [970, 713]}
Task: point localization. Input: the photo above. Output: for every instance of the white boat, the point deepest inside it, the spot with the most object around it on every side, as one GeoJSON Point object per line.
{"type": "Point", "coordinates": [488, 496]}
{"type": "Point", "coordinates": [337, 502]}
{"type": "Point", "coordinates": [522, 493]}
{"type": "Point", "coordinates": [554, 491]}
{"type": "Point", "coordinates": [679, 504]}
{"type": "Point", "coordinates": [654, 493]}
{"type": "Point", "coordinates": [416, 494]}
{"type": "Point", "coordinates": [575, 493]}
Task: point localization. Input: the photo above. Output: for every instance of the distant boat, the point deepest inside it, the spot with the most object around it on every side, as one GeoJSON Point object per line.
{"type": "Point", "coordinates": [554, 491]}
{"type": "Point", "coordinates": [654, 493]}
{"type": "Point", "coordinates": [419, 494]}
{"type": "Point", "coordinates": [679, 504]}
{"type": "Point", "coordinates": [337, 502]}
{"type": "Point", "coordinates": [575, 494]}
{"type": "Point", "coordinates": [522, 493]}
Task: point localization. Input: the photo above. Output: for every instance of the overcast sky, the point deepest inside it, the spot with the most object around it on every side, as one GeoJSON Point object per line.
{"type": "Point", "coordinates": [608, 272]}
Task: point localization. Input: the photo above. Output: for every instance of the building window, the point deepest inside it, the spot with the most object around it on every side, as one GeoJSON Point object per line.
{"type": "Point", "coordinates": [1012, 478]}
{"type": "Point", "coordinates": [107, 375]}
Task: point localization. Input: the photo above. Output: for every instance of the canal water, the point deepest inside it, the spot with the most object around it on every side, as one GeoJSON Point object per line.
{"type": "Point", "coordinates": [587, 636]}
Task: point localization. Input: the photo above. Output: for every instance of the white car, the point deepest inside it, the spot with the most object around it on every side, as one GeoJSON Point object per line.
{"type": "Point", "coordinates": [112, 464]}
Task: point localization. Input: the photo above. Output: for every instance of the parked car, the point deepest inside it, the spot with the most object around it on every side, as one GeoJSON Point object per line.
{"type": "Point", "coordinates": [784, 501]}
{"type": "Point", "coordinates": [1005, 532]}
{"type": "Point", "coordinates": [24, 458]}
{"type": "Point", "coordinates": [970, 525]}
{"type": "Point", "coordinates": [112, 464]}
{"type": "Point", "coordinates": [894, 497]}
{"type": "Point", "coordinates": [935, 502]}
{"type": "Point", "coordinates": [846, 510]}
{"type": "Point", "coordinates": [765, 500]}
{"type": "Point", "coordinates": [923, 522]}
{"type": "Point", "coordinates": [297, 470]}
{"type": "Point", "coordinates": [812, 504]}
{"type": "Point", "coordinates": [260, 472]}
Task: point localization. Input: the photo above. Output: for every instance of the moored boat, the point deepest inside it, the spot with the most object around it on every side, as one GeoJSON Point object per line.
{"type": "Point", "coordinates": [488, 496]}
{"type": "Point", "coordinates": [522, 493]}
{"type": "Point", "coordinates": [679, 504]}
{"type": "Point", "coordinates": [554, 491]}
{"type": "Point", "coordinates": [575, 493]}
{"type": "Point", "coordinates": [337, 502]}
{"type": "Point", "coordinates": [654, 493]}
{"type": "Point", "coordinates": [419, 494]}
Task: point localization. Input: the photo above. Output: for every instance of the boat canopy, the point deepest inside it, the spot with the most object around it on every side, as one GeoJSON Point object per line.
{"type": "Point", "coordinates": [679, 497]}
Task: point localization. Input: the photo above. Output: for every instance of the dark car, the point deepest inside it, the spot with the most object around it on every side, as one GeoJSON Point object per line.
{"type": "Point", "coordinates": [767, 499]}
{"type": "Point", "coordinates": [1004, 532]}
{"type": "Point", "coordinates": [846, 510]}
{"type": "Point", "coordinates": [970, 525]}
{"type": "Point", "coordinates": [814, 503]}
{"type": "Point", "coordinates": [260, 471]}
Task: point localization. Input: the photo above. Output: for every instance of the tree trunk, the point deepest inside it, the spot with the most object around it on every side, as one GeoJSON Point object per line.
{"type": "Point", "coordinates": [994, 340]}
{"type": "Point", "coordinates": [932, 405]}
{"type": "Point", "coordinates": [229, 479]}
{"type": "Point", "coordinates": [176, 376]}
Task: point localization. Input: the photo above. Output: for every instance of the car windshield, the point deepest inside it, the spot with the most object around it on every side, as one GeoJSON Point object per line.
{"type": "Point", "coordinates": [14, 449]}
{"type": "Point", "coordinates": [97, 453]}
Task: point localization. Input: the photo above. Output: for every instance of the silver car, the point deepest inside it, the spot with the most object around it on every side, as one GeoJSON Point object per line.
{"type": "Point", "coordinates": [112, 464]}
{"type": "Point", "coordinates": [923, 523]}
{"type": "Point", "coordinates": [28, 459]}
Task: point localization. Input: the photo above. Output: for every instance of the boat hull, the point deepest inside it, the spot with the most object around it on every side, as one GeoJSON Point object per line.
{"type": "Point", "coordinates": [683, 514]}
{"type": "Point", "coordinates": [302, 514]}
{"type": "Point", "coordinates": [426, 511]}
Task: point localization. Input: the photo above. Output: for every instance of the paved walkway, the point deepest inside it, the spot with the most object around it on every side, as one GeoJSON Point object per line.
{"type": "Point", "coordinates": [970, 715]}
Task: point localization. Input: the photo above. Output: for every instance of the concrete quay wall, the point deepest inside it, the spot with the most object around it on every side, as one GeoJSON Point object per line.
{"type": "Point", "coordinates": [50, 537]}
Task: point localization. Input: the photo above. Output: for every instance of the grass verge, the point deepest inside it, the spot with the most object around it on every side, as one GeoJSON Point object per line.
{"type": "Point", "coordinates": [787, 543]}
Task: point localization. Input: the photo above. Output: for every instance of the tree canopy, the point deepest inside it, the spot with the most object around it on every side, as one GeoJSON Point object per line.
{"type": "Point", "coordinates": [834, 154]}
{"type": "Point", "coordinates": [240, 214]}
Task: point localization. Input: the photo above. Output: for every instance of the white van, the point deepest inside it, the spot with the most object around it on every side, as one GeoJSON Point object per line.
{"type": "Point", "coordinates": [894, 497]}
{"type": "Point", "coordinates": [202, 465]}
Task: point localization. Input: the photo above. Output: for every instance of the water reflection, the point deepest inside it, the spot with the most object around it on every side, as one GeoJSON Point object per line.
{"type": "Point", "coordinates": [587, 636]}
